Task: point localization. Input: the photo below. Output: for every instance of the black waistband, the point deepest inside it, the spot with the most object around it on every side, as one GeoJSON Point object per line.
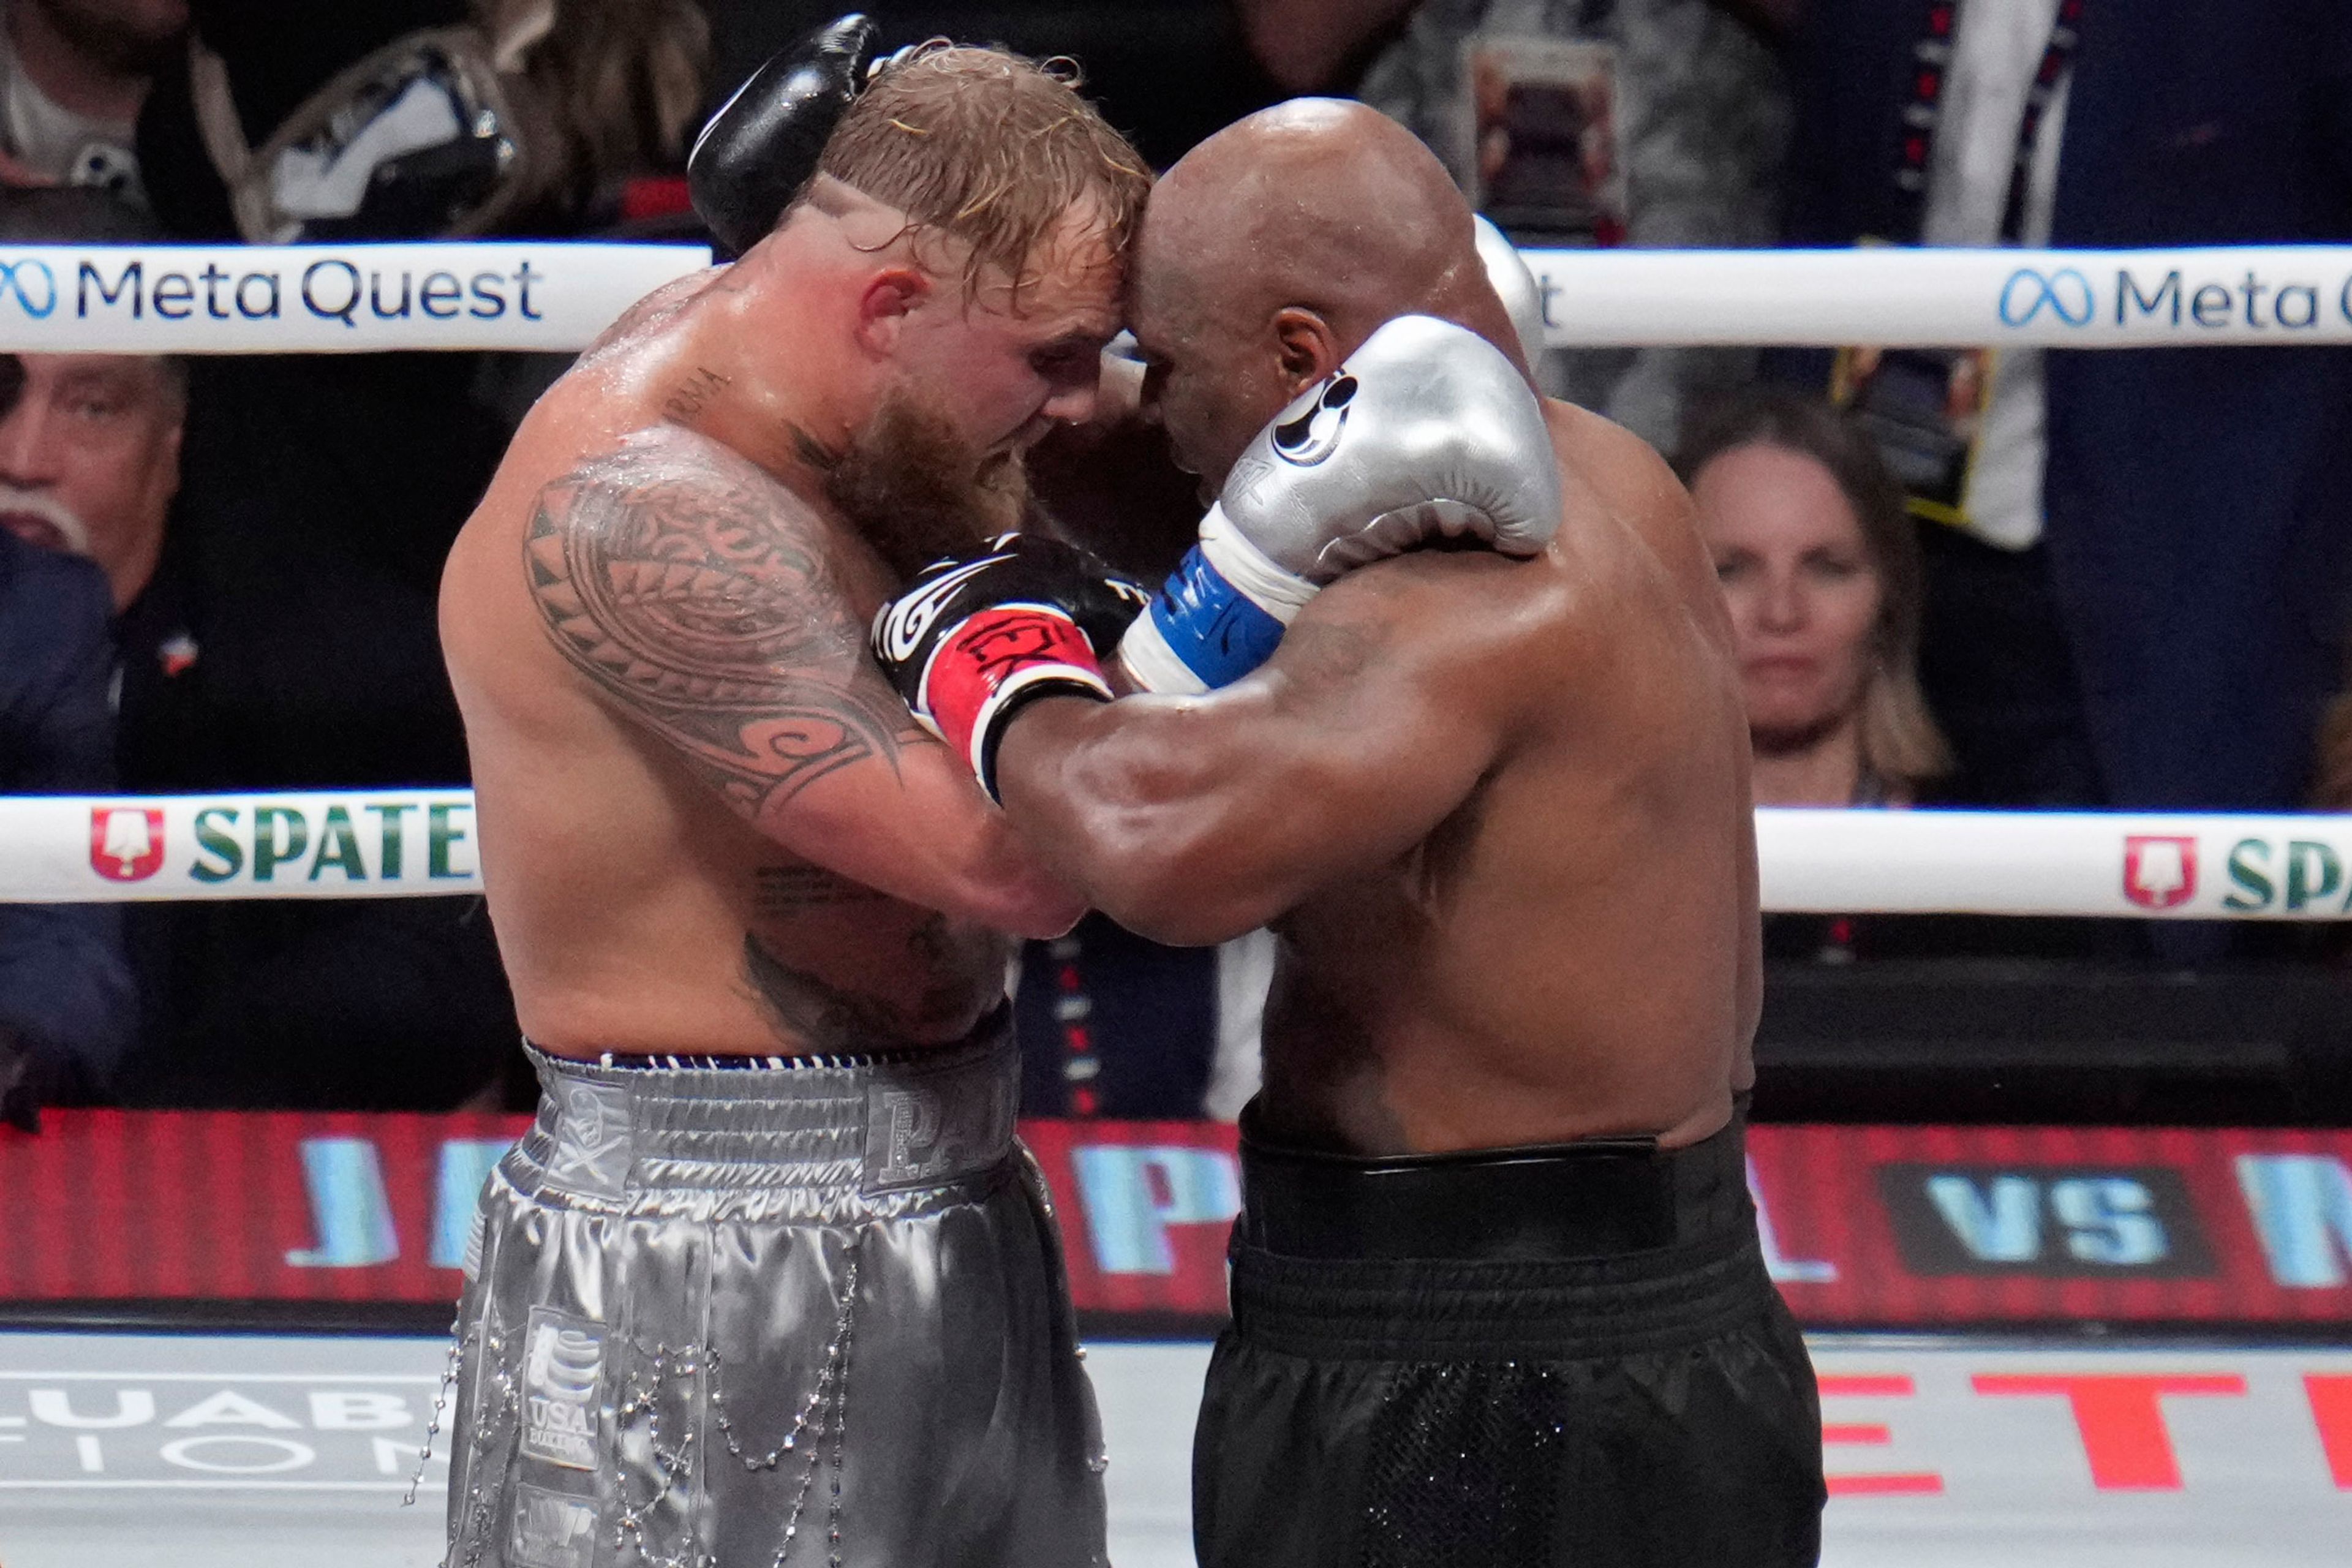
{"type": "Point", "coordinates": [1595, 1198]}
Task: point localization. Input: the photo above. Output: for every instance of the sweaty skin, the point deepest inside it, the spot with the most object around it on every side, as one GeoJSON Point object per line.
{"type": "Point", "coordinates": [707, 824]}
{"type": "Point", "coordinates": [1496, 811]}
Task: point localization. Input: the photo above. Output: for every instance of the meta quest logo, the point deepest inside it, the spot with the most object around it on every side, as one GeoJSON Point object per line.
{"type": "Point", "coordinates": [2180, 301]}
{"type": "Point", "coordinates": [331, 288]}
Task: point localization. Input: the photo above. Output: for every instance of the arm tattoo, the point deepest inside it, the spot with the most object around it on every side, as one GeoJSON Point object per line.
{"type": "Point", "coordinates": [691, 595]}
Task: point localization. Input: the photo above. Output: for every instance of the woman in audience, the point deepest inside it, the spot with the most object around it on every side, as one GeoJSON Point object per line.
{"type": "Point", "coordinates": [1821, 571]}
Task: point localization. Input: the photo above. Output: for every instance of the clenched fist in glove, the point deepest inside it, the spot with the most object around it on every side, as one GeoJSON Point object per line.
{"type": "Point", "coordinates": [971, 641]}
{"type": "Point", "coordinates": [1427, 431]}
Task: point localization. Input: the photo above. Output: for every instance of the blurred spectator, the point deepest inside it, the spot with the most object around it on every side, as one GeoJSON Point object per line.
{"type": "Point", "coordinates": [1680, 118]}
{"type": "Point", "coordinates": [2193, 508]}
{"type": "Point", "coordinates": [1166, 72]}
{"type": "Point", "coordinates": [66, 1005]}
{"type": "Point", "coordinates": [1821, 571]}
{"type": "Point", "coordinates": [259, 650]}
{"type": "Point", "coordinates": [89, 460]}
{"type": "Point", "coordinates": [418, 119]}
{"type": "Point", "coordinates": [72, 75]}
{"type": "Point", "coordinates": [1113, 1024]}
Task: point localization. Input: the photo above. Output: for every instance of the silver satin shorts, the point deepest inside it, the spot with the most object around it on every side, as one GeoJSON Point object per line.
{"type": "Point", "coordinates": [808, 1312]}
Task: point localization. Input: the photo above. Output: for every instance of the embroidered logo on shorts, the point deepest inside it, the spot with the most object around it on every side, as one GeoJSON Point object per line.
{"type": "Point", "coordinates": [562, 1374]}
{"type": "Point", "coordinates": [552, 1530]}
{"type": "Point", "coordinates": [924, 1132]}
{"type": "Point", "coordinates": [592, 1139]}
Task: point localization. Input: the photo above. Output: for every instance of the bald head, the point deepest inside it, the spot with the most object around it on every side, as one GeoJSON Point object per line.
{"type": "Point", "coordinates": [1277, 247]}
{"type": "Point", "coordinates": [1316, 203]}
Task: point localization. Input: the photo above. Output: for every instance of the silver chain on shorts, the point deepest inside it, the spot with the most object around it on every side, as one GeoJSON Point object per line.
{"type": "Point", "coordinates": [824, 1413]}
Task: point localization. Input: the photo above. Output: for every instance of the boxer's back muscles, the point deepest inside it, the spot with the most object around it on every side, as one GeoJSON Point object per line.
{"type": "Point", "coordinates": [707, 823]}
{"type": "Point", "coordinates": [1497, 812]}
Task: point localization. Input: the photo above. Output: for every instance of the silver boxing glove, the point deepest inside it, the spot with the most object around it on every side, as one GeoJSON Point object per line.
{"type": "Point", "coordinates": [1426, 431]}
{"type": "Point", "coordinates": [1515, 284]}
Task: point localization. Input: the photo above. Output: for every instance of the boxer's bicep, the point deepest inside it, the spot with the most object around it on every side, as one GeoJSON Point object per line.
{"type": "Point", "coordinates": [696, 600]}
{"type": "Point", "coordinates": [1372, 736]}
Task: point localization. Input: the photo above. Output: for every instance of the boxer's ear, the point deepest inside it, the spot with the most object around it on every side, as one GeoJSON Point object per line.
{"type": "Point", "coordinates": [1308, 348]}
{"type": "Point", "coordinates": [889, 297]}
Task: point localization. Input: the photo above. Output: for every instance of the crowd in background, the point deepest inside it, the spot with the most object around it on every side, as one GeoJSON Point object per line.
{"type": "Point", "coordinates": [2033, 580]}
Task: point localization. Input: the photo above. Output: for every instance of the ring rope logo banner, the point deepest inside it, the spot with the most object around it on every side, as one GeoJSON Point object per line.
{"type": "Point", "coordinates": [558, 297]}
{"type": "Point", "coordinates": [1903, 297]}
{"type": "Point", "coordinates": [353, 299]}
{"type": "Point", "coordinates": [12, 275]}
{"type": "Point", "coordinates": [359, 845]}
{"type": "Point", "coordinates": [405, 843]}
{"type": "Point", "coordinates": [2065, 293]}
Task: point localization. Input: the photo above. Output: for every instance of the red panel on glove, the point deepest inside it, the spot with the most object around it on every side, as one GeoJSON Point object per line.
{"type": "Point", "coordinates": [997, 652]}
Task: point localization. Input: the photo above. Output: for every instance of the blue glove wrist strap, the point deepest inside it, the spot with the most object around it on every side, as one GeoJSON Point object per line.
{"type": "Point", "coordinates": [1216, 631]}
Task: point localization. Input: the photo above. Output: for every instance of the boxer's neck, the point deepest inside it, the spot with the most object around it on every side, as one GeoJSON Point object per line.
{"type": "Point", "coordinates": [777, 338]}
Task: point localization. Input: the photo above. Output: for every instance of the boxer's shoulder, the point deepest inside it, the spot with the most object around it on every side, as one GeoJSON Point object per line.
{"type": "Point", "coordinates": [688, 587]}
{"type": "Point", "coordinates": [665, 476]}
{"type": "Point", "coordinates": [652, 317]}
{"type": "Point", "coordinates": [1628, 522]}
{"type": "Point", "coordinates": [1448, 620]}
{"type": "Point", "coordinates": [1603, 460]}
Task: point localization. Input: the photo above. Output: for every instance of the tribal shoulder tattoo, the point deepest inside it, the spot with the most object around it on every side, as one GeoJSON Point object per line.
{"type": "Point", "coordinates": [692, 591]}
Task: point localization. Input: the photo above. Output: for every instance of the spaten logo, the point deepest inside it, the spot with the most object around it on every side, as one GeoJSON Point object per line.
{"type": "Point", "coordinates": [17, 281]}
{"type": "Point", "coordinates": [2066, 294]}
{"type": "Point", "coordinates": [126, 843]}
{"type": "Point", "coordinates": [2159, 872]}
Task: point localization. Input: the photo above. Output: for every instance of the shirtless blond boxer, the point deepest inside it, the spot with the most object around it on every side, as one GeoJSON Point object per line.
{"type": "Point", "coordinates": [1497, 1294]}
{"type": "Point", "coordinates": [768, 1282]}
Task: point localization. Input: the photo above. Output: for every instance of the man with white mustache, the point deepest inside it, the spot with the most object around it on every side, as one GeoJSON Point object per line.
{"type": "Point", "coordinates": [89, 460]}
{"type": "Point", "coordinates": [89, 457]}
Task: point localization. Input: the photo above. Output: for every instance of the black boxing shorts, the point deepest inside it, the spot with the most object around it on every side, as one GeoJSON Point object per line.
{"type": "Point", "coordinates": [1561, 1356]}
{"type": "Point", "coordinates": [790, 1312]}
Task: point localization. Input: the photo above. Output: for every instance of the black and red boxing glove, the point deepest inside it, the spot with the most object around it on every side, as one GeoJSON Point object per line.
{"type": "Point", "coordinates": [971, 641]}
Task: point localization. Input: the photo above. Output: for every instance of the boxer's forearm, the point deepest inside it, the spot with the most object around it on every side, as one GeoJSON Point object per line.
{"type": "Point", "coordinates": [923, 833]}
{"type": "Point", "coordinates": [1193, 819]}
{"type": "Point", "coordinates": [1125, 802]}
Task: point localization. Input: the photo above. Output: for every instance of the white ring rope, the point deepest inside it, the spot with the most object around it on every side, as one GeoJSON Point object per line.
{"type": "Point", "coordinates": [1889, 296]}
{"type": "Point", "coordinates": [556, 296]}
{"type": "Point", "coordinates": [403, 843]}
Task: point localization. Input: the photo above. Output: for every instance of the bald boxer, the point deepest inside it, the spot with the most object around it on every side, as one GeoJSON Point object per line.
{"type": "Point", "coordinates": [1496, 1287]}
{"type": "Point", "coordinates": [769, 1281]}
